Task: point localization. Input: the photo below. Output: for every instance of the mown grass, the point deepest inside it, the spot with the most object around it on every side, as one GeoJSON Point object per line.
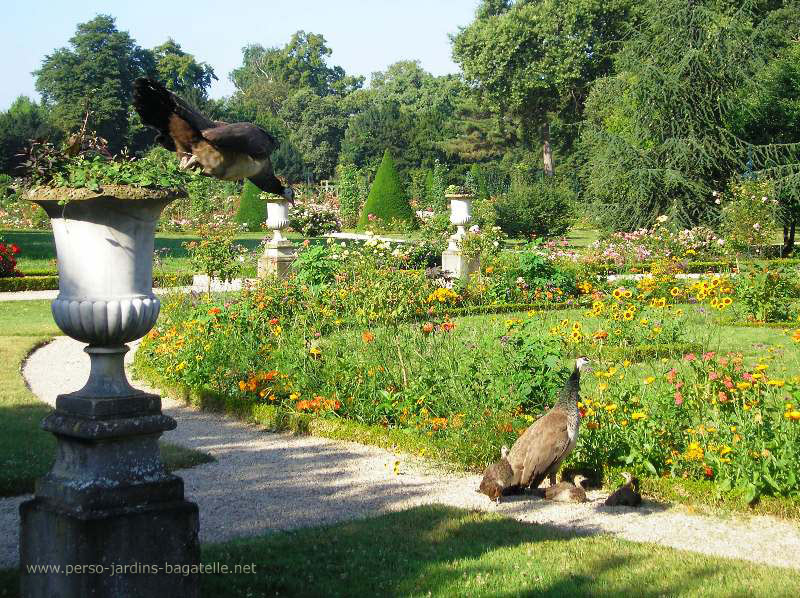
{"type": "Point", "coordinates": [448, 552]}
{"type": "Point", "coordinates": [26, 451]}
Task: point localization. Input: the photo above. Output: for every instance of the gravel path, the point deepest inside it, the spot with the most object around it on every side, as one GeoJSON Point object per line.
{"type": "Point", "coordinates": [265, 481]}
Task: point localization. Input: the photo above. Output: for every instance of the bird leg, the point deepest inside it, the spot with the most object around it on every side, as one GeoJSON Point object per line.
{"type": "Point", "coordinates": [552, 478]}
{"type": "Point", "coordinates": [188, 161]}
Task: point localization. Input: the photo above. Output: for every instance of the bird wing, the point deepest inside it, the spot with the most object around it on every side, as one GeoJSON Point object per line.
{"type": "Point", "coordinates": [244, 138]}
{"type": "Point", "coordinates": [544, 445]}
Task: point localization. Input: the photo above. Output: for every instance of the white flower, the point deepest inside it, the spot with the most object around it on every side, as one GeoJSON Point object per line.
{"type": "Point", "coordinates": [717, 201]}
{"type": "Point", "coordinates": [757, 226]}
{"type": "Point", "coordinates": [765, 198]}
{"type": "Point", "coordinates": [720, 241]}
{"type": "Point", "coordinates": [474, 228]}
{"type": "Point", "coordinates": [662, 218]}
{"type": "Point", "coordinates": [496, 244]}
{"type": "Point", "coordinates": [344, 244]}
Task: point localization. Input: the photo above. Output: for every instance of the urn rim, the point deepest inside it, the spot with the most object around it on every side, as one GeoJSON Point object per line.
{"type": "Point", "coordinates": [122, 193]}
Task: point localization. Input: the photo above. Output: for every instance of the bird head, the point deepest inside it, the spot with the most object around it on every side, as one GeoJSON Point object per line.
{"type": "Point", "coordinates": [288, 193]}
{"type": "Point", "coordinates": [582, 364]}
{"type": "Point", "coordinates": [503, 451]}
{"type": "Point", "coordinates": [627, 477]}
{"type": "Point", "coordinates": [579, 479]}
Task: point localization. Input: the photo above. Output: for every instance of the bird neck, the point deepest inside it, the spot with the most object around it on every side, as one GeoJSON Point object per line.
{"type": "Point", "coordinates": [569, 395]}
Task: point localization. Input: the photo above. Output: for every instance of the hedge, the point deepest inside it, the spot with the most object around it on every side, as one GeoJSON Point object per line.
{"type": "Point", "coordinates": [252, 210]}
{"type": "Point", "coordinates": [387, 198]}
{"type": "Point", "coordinates": [50, 282]}
{"type": "Point", "coordinates": [691, 267]}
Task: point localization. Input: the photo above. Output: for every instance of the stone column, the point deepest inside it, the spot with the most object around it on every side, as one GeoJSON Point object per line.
{"type": "Point", "coordinates": [453, 261]}
{"type": "Point", "coordinates": [279, 252]}
{"type": "Point", "coordinates": [108, 513]}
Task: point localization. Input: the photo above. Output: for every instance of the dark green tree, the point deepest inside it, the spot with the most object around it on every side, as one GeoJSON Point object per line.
{"type": "Point", "coordinates": [369, 134]}
{"type": "Point", "coordinates": [534, 59]}
{"type": "Point", "coordinates": [23, 121]}
{"type": "Point", "coordinates": [387, 198]}
{"type": "Point", "coordinates": [658, 137]}
{"type": "Point", "coordinates": [252, 211]}
{"type": "Point", "coordinates": [181, 73]}
{"type": "Point", "coordinates": [95, 76]}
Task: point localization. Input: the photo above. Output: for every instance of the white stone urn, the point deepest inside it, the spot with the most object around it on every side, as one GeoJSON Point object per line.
{"type": "Point", "coordinates": [277, 218]}
{"type": "Point", "coordinates": [108, 495]}
{"type": "Point", "coordinates": [453, 261]}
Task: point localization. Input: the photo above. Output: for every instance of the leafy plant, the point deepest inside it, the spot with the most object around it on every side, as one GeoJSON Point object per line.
{"type": "Point", "coordinates": [387, 199]}
{"type": "Point", "coordinates": [314, 220]}
{"type": "Point", "coordinates": [216, 255]}
{"type": "Point", "coordinates": [542, 207]}
{"type": "Point", "coordinates": [768, 294]}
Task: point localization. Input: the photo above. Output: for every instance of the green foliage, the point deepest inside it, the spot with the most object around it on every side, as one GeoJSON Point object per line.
{"type": "Point", "coordinates": [216, 255]}
{"type": "Point", "coordinates": [350, 185]}
{"type": "Point", "coordinates": [769, 293]}
{"type": "Point", "coordinates": [749, 215]}
{"type": "Point", "coordinates": [387, 199]}
{"type": "Point", "coordinates": [435, 186]}
{"type": "Point", "coordinates": [540, 207]}
{"type": "Point", "coordinates": [315, 266]}
{"type": "Point", "coordinates": [94, 76]}
{"type": "Point", "coordinates": [155, 169]}
{"type": "Point", "coordinates": [24, 120]}
{"type": "Point", "coordinates": [658, 139]}
{"type": "Point", "coordinates": [252, 211]}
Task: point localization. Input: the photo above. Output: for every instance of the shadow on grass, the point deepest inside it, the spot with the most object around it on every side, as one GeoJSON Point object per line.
{"type": "Point", "coordinates": [443, 551]}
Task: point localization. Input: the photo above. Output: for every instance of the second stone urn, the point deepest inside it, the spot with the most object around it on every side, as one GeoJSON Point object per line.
{"type": "Point", "coordinates": [279, 252]}
{"type": "Point", "coordinates": [108, 506]}
{"type": "Point", "coordinates": [453, 260]}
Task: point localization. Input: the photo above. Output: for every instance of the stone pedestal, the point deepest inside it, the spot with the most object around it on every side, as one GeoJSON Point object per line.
{"type": "Point", "coordinates": [279, 253]}
{"type": "Point", "coordinates": [108, 520]}
{"type": "Point", "coordinates": [277, 259]}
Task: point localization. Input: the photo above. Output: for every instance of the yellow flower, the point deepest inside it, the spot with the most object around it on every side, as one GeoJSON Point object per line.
{"type": "Point", "coordinates": [611, 407]}
{"type": "Point", "coordinates": [776, 382]}
{"type": "Point", "coordinates": [314, 351]}
{"type": "Point", "coordinates": [623, 423]}
{"type": "Point", "coordinates": [602, 386]}
{"type": "Point", "coordinates": [724, 450]}
{"type": "Point", "coordinates": [637, 415]}
{"type": "Point", "coordinates": [743, 385]}
{"type": "Point", "coordinates": [761, 367]}
{"type": "Point", "coordinates": [649, 380]}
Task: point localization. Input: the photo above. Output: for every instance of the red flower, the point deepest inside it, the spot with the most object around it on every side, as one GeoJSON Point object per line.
{"type": "Point", "coordinates": [723, 398]}
{"type": "Point", "coordinates": [273, 321]}
{"type": "Point", "coordinates": [14, 248]}
{"type": "Point", "coordinates": [690, 357]}
{"type": "Point", "coordinates": [678, 398]}
{"type": "Point", "coordinates": [709, 472]}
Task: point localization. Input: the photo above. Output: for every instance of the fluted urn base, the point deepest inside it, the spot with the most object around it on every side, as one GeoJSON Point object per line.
{"type": "Point", "coordinates": [277, 259]}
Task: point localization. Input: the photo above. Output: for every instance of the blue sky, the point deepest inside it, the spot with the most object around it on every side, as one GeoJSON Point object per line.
{"type": "Point", "coordinates": [365, 35]}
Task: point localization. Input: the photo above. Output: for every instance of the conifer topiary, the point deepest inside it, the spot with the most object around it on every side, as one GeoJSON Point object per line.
{"type": "Point", "coordinates": [252, 210]}
{"type": "Point", "coordinates": [387, 199]}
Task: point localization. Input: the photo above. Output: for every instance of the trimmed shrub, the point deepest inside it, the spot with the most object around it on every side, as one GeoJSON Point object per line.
{"type": "Point", "coordinates": [538, 208]}
{"type": "Point", "coordinates": [350, 186]}
{"type": "Point", "coordinates": [387, 199]}
{"type": "Point", "coordinates": [252, 212]}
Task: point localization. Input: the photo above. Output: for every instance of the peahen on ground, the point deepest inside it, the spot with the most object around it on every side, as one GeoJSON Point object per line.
{"type": "Point", "coordinates": [540, 450]}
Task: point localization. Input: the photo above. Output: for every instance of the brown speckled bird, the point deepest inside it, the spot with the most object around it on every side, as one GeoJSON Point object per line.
{"type": "Point", "coordinates": [497, 477]}
{"type": "Point", "coordinates": [221, 150]}
{"type": "Point", "coordinates": [627, 495]}
{"type": "Point", "coordinates": [540, 450]}
{"type": "Point", "coordinates": [565, 491]}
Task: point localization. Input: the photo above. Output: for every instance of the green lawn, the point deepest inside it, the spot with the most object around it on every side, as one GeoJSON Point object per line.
{"type": "Point", "coordinates": [447, 552]}
{"type": "Point", "coordinates": [39, 251]}
{"type": "Point", "coordinates": [27, 452]}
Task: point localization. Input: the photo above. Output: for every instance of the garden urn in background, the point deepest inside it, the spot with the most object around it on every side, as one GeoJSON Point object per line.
{"type": "Point", "coordinates": [108, 500]}
{"type": "Point", "coordinates": [279, 252]}
{"type": "Point", "coordinates": [453, 260]}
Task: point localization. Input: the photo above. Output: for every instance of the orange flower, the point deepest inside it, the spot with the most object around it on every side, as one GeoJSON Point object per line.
{"type": "Point", "coordinates": [273, 321]}
{"type": "Point", "coordinates": [214, 311]}
{"type": "Point", "coordinates": [427, 328]}
{"type": "Point", "coordinates": [448, 326]}
{"type": "Point", "coordinates": [439, 423]}
{"type": "Point", "coordinates": [304, 404]}
{"type": "Point", "coordinates": [367, 336]}
{"type": "Point", "coordinates": [600, 335]}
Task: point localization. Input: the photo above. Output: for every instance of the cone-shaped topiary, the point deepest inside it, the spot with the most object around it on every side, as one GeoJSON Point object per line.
{"type": "Point", "coordinates": [387, 199]}
{"type": "Point", "coordinates": [252, 210]}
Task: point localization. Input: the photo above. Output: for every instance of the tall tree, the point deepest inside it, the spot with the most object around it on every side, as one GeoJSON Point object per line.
{"type": "Point", "coordinates": [181, 73]}
{"type": "Point", "coordinates": [658, 137]}
{"type": "Point", "coordinates": [537, 58]}
{"type": "Point", "coordinates": [94, 75]}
